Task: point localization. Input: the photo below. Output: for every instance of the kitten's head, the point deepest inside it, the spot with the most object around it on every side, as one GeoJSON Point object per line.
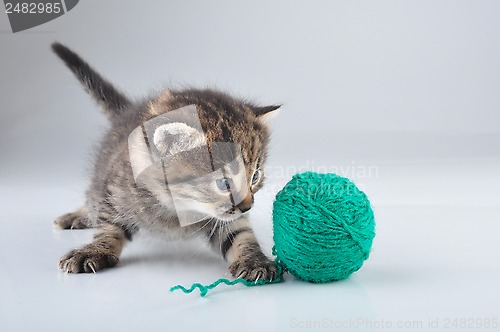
{"type": "Point", "coordinates": [212, 150]}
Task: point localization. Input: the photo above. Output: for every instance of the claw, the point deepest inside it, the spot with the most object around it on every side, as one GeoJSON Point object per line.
{"type": "Point", "coordinates": [63, 266]}
{"type": "Point", "coordinates": [91, 265]}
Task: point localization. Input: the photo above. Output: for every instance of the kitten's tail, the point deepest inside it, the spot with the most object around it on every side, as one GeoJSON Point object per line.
{"type": "Point", "coordinates": [112, 101]}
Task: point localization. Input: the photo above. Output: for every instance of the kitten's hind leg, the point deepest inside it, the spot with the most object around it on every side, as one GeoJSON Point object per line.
{"type": "Point", "coordinates": [103, 252]}
{"type": "Point", "coordinates": [74, 220]}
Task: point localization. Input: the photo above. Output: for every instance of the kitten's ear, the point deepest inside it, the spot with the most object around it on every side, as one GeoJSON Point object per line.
{"type": "Point", "coordinates": [266, 113]}
{"type": "Point", "coordinates": [176, 137]}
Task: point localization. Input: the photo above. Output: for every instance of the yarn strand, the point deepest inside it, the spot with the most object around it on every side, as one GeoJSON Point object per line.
{"type": "Point", "coordinates": [205, 288]}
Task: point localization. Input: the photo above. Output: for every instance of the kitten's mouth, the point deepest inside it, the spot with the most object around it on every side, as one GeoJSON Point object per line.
{"type": "Point", "coordinates": [229, 215]}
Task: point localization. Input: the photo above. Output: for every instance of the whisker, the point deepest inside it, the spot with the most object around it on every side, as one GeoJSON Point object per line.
{"type": "Point", "coordinates": [199, 229]}
{"type": "Point", "coordinates": [213, 229]}
{"type": "Point", "coordinates": [220, 237]}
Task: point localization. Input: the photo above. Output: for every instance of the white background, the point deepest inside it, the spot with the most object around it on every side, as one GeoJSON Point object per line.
{"type": "Point", "coordinates": [400, 96]}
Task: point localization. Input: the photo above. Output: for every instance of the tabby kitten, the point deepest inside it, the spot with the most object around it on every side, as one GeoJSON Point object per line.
{"type": "Point", "coordinates": [186, 162]}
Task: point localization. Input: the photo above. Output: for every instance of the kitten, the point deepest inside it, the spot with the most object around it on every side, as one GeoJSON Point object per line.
{"type": "Point", "coordinates": [184, 163]}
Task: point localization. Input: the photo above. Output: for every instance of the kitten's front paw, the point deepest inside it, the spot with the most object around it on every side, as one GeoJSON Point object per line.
{"type": "Point", "coordinates": [254, 268]}
{"type": "Point", "coordinates": [86, 260]}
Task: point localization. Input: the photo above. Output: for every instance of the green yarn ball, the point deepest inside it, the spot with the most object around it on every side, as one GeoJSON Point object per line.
{"type": "Point", "coordinates": [323, 227]}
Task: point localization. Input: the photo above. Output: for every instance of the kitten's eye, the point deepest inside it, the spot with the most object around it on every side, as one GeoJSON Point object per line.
{"type": "Point", "coordinates": [223, 184]}
{"type": "Point", "coordinates": [256, 176]}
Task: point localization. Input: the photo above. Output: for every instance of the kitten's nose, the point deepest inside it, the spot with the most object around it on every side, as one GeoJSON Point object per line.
{"type": "Point", "coordinates": [245, 208]}
{"type": "Point", "coordinates": [246, 203]}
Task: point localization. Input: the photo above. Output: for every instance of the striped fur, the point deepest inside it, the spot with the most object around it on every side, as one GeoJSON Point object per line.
{"type": "Point", "coordinates": [119, 205]}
